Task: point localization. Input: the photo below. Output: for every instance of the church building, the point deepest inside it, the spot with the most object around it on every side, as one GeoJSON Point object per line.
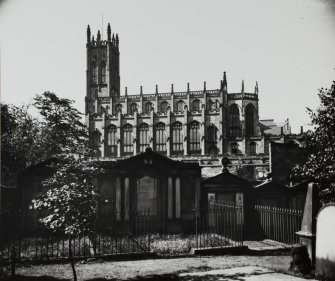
{"type": "Point", "coordinates": [176, 124]}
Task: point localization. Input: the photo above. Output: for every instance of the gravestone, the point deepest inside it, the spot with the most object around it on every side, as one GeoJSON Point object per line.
{"type": "Point", "coordinates": [307, 233]}
{"type": "Point", "coordinates": [325, 241]}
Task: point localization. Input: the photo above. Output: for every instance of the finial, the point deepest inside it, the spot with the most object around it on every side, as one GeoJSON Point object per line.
{"type": "Point", "coordinates": [204, 86]}
{"type": "Point", "coordinates": [88, 34]}
{"type": "Point", "coordinates": [171, 88]}
{"type": "Point", "coordinates": [242, 90]}
{"type": "Point", "coordinates": [98, 36]}
{"type": "Point", "coordinates": [156, 89]}
{"type": "Point", "coordinates": [224, 82]}
{"type": "Point", "coordinates": [113, 39]}
{"type": "Point", "coordinates": [126, 91]}
{"type": "Point", "coordinates": [93, 38]}
{"type": "Point", "coordinates": [188, 87]}
{"type": "Point", "coordinates": [221, 85]}
{"type": "Point", "coordinates": [224, 162]}
{"type": "Point", "coordinates": [109, 32]}
{"type": "Point", "coordinates": [141, 91]}
{"type": "Point", "coordinates": [256, 88]}
{"type": "Point", "coordinates": [117, 40]}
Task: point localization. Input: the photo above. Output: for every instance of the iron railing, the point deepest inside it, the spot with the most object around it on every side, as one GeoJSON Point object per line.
{"type": "Point", "coordinates": [115, 233]}
{"type": "Point", "coordinates": [219, 225]}
{"type": "Point", "coordinates": [280, 224]}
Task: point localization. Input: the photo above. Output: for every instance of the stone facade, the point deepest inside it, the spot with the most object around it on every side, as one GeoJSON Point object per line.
{"type": "Point", "coordinates": [186, 125]}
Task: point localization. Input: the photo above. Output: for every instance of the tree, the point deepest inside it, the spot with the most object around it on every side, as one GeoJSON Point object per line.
{"type": "Point", "coordinates": [244, 171]}
{"type": "Point", "coordinates": [21, 142]}
{"type": "Point", "coordinates": [69, 202]}
{"type": "Point", "coordinates": [320, 147]}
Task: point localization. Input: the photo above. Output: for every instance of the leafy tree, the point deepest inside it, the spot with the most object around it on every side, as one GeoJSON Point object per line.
{"type": "Point", "coordinates": [320, 146]}
{"type": "Point", "coordinates": [21, 142]}
{"type": "Point", "coordinates": [244, 171]}
{"type": "Point", "coordinates": [69, 202]}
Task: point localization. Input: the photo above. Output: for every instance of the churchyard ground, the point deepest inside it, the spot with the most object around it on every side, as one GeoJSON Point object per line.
{"type": "Point", "coordinates": [150, 269]}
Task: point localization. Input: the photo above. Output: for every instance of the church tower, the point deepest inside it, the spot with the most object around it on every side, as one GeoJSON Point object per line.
{"type": "Point", "coordinates": [103, 69]}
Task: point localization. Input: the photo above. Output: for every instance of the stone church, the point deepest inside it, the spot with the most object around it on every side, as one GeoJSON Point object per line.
{"type": "Point", "coordinates": [186, 125]}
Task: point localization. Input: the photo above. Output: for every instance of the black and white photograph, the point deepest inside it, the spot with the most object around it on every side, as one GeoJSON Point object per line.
{"type": "Point", "coordinates": [167, 140]}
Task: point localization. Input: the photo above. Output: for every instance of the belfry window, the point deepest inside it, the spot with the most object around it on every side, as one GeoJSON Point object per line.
{"type": "Point", "coordinates": [143, 132]}
{"type": "Point", "coordinates": [194, 137]}
{"type": "Point", "coordinates": [160, 138]}
{"type": "Point", "coordinates": [133, 108]}
{"type": "Point", "coordinates": [250, 120]}
{"type": "Point", "coordinates": [177, 137]}
{"type": "Point", "coordinates": [118, 108]}
{"type": "Point", "coordinates": [180, 106]}
{"type": "Point", "coordinates": [127, 139]}
{"type": "Point", "coordinates": [111, 141]}
{"type": "Point", "coordinates": [94, 73]}
{"type": "Point", "coordinates": [148, 107]}
{"type": "Point", "coordinates": [196, 105]}
{"type": "Point", "coordinates": [164, 106]}
{"type": "Point", "coordinates": [103, 72]}
{"type": "Point", "coordinates": [234, 122]}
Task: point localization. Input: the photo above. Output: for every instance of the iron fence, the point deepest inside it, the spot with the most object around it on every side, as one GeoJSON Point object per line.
{"type": "Point", "coordinates": [280, 224]}
{"type": "Point", "coordinates": [219, 225]}
{"type": "Point", "coordinates": [116, 233]}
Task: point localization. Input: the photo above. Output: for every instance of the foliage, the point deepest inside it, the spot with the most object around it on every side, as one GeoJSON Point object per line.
{"type": "Point", "coordinates": [21, 140]}
{"type": "Point", "coordinates": [69, 201]}
{"type": "Point", "coordinates": [320, 163]}
{"type": "Point", "coordinates": [244, 171]}
{"type": "Point", "coordinates": [61, 125]}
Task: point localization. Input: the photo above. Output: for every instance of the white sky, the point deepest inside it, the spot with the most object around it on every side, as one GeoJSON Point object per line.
{"type": "Point", "coordinates": [286, 45]}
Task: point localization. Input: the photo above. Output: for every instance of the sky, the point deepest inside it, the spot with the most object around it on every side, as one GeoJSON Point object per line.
{"type": "Point", "coordinates": [286, 45]}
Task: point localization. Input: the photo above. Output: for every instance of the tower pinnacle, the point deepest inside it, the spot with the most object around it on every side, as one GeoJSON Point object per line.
{"type": "Point", "coordinates": [109, 32]}
{"type": "Point", "coordinates": [242, 90]}
{"type": "Point", "coordinates": [224, 82]}
{"type": "Point", "coordinates": [256, 88]}
{"type": "Point", "coordinates": [88, 34]}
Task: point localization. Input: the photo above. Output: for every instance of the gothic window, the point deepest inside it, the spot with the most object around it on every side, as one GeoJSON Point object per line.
{"type": "Point", "coordinates": [194, 137]}
{"type": "Point", "coordinates": [148, 107]}
{"type": "Point", "coordinates": [96, 138]}
{"type": "Point", "coordinates": [250, 120]}
{"type": "Point", "coordinates": [177, 137]}
{"type": "Point", "coordinates": [94, 73]}
{"type": "Point", "coordinates": [234, 122]}
{"type": "Point", "coordinates": [118, 108]}
{"type": "Point", "coordinates": [234, 148]}
{"type": "Point", "coordinates": [103, 72]}
{"type": "Point", "coordinates": [127, 139]}
{"type": "Point", "coordinates": [111, 141]}
{"type": "Point", "coordinates": [133, 108]}
{"type": "Point", "coordinates": [164, 106]}
{"type": "Point", "coordinates": [252, 148]}
{"type": "Point", "coordinates": [160, 138]}
{"type": "Point", "coordinates": [180, 106]}
{"type": "Point", "coordinates": [196, 105]}
{"type": "Point", "coordinates": [143, 132]}
{"type": "Point", "coordinates": [212, 134]}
